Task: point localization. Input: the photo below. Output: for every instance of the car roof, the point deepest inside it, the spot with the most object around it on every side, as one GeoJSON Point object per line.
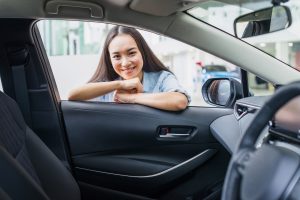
{"type": "Point", "coordinates": [39, 8]}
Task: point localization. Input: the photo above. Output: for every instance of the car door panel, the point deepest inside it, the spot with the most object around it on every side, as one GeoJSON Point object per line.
{"type": "Point", "coordinates": [108, 126]}
{"type": "Point", "coordinates": [128, 147]}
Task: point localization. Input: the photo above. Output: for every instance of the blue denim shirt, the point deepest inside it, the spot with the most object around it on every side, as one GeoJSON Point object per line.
{"type": "Point", "coordinates": [155, 82]}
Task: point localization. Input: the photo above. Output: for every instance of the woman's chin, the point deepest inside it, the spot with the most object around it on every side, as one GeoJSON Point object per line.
{"type": "Point", "coordinates": [129, 76]}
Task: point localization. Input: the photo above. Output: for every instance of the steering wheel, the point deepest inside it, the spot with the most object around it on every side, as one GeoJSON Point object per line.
{"type": "Point", "coordinates": [269, 172]}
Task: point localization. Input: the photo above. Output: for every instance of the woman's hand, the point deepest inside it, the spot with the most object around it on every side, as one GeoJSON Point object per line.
{"type": "Point", "coordinates": [131, 86]}
{"type": "Point", "coordinates": [125, 96]}
{"type": "Point", "coordinates": [128, 90]}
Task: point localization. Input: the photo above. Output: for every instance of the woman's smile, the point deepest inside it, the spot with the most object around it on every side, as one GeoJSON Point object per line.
{"type": "Point", "coordinates": [128, 70]}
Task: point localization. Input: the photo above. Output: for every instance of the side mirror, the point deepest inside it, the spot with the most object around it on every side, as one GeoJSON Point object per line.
{"type": "Point", "coordinates": [222, 91]}
{"type": "Point", "coordinates": [263, 21]}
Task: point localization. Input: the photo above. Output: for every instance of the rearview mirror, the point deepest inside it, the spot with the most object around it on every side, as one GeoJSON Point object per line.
{"type": "Point", "coordinates": [263, 21]}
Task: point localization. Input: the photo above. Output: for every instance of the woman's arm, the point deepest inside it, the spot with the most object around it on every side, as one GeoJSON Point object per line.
{"type": "Point", "coordinates": [172, 101]}
{"type": "Point", "coordinates": [93, 90]}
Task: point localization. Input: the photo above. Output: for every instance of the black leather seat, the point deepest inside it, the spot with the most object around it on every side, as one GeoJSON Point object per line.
{"type": "Point", "coordinates": [28, 169]}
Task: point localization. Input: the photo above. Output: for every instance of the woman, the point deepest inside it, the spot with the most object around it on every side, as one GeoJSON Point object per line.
{"type": "Point", "coordinates": [129, 72]}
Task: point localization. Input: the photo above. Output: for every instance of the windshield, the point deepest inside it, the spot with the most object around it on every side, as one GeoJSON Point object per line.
{"type": "Point", "coordinates": [284, 45]}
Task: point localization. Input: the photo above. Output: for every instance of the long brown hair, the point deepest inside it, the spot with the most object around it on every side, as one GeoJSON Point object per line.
{"type": "Point", "coordinates": [105, 71]}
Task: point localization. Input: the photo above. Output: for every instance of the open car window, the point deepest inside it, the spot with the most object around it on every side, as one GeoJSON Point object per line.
{"type": "Point", "coordinates": [74, 47]}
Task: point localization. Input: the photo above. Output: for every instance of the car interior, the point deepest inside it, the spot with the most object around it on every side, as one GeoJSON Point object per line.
{"type": "Point", "coordinates": [240, 148]}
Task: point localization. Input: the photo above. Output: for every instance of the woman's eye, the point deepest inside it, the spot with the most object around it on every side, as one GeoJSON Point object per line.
{"type": "Point", "coordinates": [116, 57]}
{"type": "Point", "coordinates": [132, 53]}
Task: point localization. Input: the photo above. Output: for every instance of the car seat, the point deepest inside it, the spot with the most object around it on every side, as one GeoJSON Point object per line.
{"type": "Point", "coordinates": [28, 169]}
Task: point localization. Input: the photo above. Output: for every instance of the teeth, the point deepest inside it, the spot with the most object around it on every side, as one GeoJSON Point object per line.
{"type": "Point", "coordinates": [128, 69]}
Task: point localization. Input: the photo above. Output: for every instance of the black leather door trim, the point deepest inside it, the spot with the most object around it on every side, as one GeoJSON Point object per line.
{"type": "Point", "coordinates": [175, 171]}
{"type": "Point", "coordinates": [108, 140]}
{"type": "Point", "coordinates": [94, 127]}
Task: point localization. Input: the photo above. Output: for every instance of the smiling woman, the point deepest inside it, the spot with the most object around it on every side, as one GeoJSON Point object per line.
{"type": "Point", "coordinates": [129, 72]}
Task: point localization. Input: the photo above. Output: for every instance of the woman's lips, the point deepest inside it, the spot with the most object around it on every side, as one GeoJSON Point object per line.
{"type": "Point", "coordinates": [129, 70]}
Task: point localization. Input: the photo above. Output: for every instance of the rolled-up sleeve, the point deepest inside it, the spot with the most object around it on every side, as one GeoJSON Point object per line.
{"type": "Point", "coordinates": [169, 83]}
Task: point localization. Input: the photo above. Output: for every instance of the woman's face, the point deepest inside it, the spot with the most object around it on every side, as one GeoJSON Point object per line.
{"type": "Point", "coordinates": [125, 57]}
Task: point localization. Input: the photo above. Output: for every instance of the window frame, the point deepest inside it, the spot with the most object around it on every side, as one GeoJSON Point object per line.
{"type": "Point", "coordinates": [52, 81]}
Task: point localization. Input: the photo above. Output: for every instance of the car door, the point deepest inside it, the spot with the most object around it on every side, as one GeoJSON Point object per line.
{"type": "Point", "coordinates": [133, 151]}
{"type": "Point", "coordinates": [126, 151]}
{"type": "Point", "coordinates": [144, 151]}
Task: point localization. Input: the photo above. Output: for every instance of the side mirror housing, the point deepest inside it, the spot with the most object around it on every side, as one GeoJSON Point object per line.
{"type": "Point", "coordinates": [263, 21]}
{"type": "Point", "coordinates": [222, 91]}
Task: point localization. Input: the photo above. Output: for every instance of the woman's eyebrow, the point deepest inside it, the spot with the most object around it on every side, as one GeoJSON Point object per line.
{"type": "Point", "coordinates": [133, 48]}
{"type": "Point", "coordinates": [117, 52]}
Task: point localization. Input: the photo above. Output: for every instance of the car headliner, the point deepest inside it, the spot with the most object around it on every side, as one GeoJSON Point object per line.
{"type": "Point", "coordinates": [164, 17]}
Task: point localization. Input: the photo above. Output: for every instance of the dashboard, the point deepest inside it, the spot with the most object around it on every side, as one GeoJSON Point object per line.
{"type": "Point", "coordinates": [287, 120]}
{"type": "Point", "coordinates": [284, 127]}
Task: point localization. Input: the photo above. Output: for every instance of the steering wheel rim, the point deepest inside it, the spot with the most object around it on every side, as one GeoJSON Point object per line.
{"type": "Point", "coordinates": [246, 147]}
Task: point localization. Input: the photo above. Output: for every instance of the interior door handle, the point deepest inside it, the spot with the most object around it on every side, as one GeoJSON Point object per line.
{"type": "Point", "coordinates": [174, 135]}
{"type": "Point", "coordinates": [175, 132]}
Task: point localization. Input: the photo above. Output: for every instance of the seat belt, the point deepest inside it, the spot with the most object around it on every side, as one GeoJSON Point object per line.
{"type": "Point", "coordinates": [19, 57]}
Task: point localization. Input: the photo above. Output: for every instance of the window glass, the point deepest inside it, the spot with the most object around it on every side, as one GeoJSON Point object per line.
{"type": "Point", "coordinates": [258, 86]}
{"type": "Point", "coordinates": [74, 47]}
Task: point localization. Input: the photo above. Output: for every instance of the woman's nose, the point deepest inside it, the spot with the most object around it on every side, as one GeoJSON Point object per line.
{"type": "Point", "coordinates": [125, 62]}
